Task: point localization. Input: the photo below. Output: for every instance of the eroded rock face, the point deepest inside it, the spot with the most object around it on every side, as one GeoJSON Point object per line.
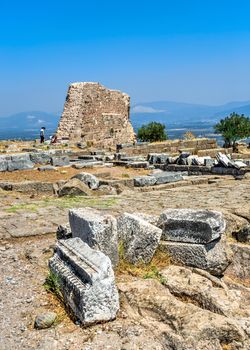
{"type": "Point", "coordinates": [97, 230]}
{"type": "Point", "coordinates": [86, 280]}
{"type": "Point", "coordinates": [206, 291]}
{"type": "Point", "coordinates": [140, 238]}
{"type": "Point", "coordinates": [177, 324]}
{"type": "Point", "coordinates": [191, 225]}
{"type": "Point", "coordinates": [93, 113]}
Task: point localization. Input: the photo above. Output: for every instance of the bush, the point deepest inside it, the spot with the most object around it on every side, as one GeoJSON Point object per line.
{"type": "Point", "coordinates": [233, 128]}
{"type": "Point", "coordinates": [152, 132]}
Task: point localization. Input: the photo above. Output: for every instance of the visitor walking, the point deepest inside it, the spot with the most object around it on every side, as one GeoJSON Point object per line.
{"type": "Point", "coordinates": [42, 134]}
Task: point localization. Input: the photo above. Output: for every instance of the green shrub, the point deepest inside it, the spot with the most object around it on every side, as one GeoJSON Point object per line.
{"type": "Point", "coordinates": [233, 128]}
{"type": "Point", "coordinates": [152, 132]}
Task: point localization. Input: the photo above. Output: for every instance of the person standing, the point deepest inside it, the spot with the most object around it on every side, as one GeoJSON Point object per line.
{"type": "Point", "coordinates": [42, 134]}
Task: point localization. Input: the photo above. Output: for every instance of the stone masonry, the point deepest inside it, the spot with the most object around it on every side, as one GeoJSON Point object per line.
{"type": "Point", "coordinates": [94, 114]}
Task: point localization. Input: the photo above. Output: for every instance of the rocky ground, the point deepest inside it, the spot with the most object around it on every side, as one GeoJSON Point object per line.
{"type": "Point", "coordinates": [182, 309]}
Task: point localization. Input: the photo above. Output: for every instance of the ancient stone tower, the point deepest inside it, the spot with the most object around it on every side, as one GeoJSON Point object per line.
{"type": "Point", "coordinates": [97, 115]}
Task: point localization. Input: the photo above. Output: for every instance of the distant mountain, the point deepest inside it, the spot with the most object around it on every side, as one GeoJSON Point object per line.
{"type": "Point", "coordinates": [30, 120]}
{"type": "Point", "coordinates": [26, 125]}
{"type": "Point", "coordinates": [178, 112]}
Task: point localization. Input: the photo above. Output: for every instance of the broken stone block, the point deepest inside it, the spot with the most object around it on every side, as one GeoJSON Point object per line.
{"type": "Point", "coordinates": [213, 257]}
{"type": "Point", "coordinates": [140, 238]}
{"type": "Point", "coordinates": [88, 179]}
{"type": "Point", "coordinates": [138, 165]}
{"type": "Point", "coordinates": [60, 161]}
{"type": "Point", "coordinates": [3, 164]}
{"type": "Point", "coordinates": [97, 230]}
{"type": "Point", "coordinates": [63, 232]}
{"type": "Point", "coordinates": [86, 164]}
{"type": "Point", "coordinates": [158, 158]}
{"type": "Point", "coordinates": [86, 280]}
{"type": "Point", "coordinates": [191, 225]}
{"type": "Point", "coordinates": [74, 187]}
{"type": "Point", "coordinates": [141, 181]}
{"type": "Point", "coordinates": [20, 162]}
{"type": "Point", "coordinates": [40, 158]}
{"type": "Point", "coordinates": [167, 177]}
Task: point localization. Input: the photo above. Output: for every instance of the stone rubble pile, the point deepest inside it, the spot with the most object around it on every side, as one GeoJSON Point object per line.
{"type": "Point", "coordinates": [185, 158]}
{"type": "Point", "coordinates": [89, 246]}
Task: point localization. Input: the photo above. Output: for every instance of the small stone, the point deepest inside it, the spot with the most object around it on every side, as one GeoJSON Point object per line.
{"type": "Point", "coordinates": [45, 320]}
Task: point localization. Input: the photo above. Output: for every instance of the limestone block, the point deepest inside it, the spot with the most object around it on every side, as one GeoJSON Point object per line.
{"type": "Point", "coordinates": [88, 179]}
{"type": "Point", "coordinates": [191, 225]}
{"type": "Point", "coordinates": [86, 280]}
{"type": "Point", "coordinates": [97, 230]}
{"type": "Point", "coordinates": [141, 181]}
{"type": "Point", "coordinates": [138, 164]}
{"type": "Point", "coordinates": [74, 187]}
{"type": "Point", "coordinates": [166, 177]}
{"type": "Point", "coordinates": [213, 257]}
{"type": "Point", "coordinates": [86, 164]}
{"type": "Point", "coordinates": [40, 158]}
{"type": "Point", "coordinates": [3, 163]}
{"type": "Point", "coordinates": [20, 161]}
{"type": "Point", "coordinates": [140, 238]}
{"type": "Point", "coordinates": [60, 161]}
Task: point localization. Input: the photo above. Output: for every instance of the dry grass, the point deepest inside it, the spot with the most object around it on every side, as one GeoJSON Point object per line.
{"type": "Point", "coordinates": [141, 269]}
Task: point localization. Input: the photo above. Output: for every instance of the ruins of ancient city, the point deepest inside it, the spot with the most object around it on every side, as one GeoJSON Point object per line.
{"type": "Point", "coordinates": [111, 243]}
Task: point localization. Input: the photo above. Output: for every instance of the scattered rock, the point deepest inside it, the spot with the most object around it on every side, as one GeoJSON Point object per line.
{"type": "Point", "coordinates": [74, 187]}
{"type": "Point", "coordinates": [140, 238]}
{"type": "Point", "coordinates": [88, 179]}
{"type": "Point", "coordinates": [45, 320]}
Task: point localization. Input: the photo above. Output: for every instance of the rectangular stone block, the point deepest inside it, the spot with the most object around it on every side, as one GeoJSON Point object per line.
{"type": "Point", "coordinates": [191, 225]}
{"type": "Point", "coordinates": [97, 230]}
{"type": "Point", "coordinates": [60, 161]}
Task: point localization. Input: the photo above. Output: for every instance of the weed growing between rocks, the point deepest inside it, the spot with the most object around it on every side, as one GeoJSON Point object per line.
{"type": "Point", "coordinates": [53, 285]}
{"type": "Point", "coordinates": [143, 270]}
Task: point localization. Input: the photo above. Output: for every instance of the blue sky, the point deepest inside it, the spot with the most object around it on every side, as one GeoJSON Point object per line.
{"type": "Point", "coordinates": [179, 50]}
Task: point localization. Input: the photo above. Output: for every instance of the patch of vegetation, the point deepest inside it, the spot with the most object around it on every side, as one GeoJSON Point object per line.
{"type": "Point", "coordinates": [23, 206]}
{"type": "Point", "coordinates": [141, 269]}
{"type": "Point", "coordinates": [125, 175]}
{"type": "Point", "coordinates": [233, 128]}
{"type": "Point", "coordinates": [53, 285]}
{"type": "Point", "coordinates": [152, 132]}
{"type": "Point", "coordinates": [66, 202]}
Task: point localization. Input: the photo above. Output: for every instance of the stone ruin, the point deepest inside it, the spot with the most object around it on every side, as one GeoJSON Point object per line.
{"type": "Point", "coordinates": [95, 115]}
{"type": "Point", "coordinates": [87, 252]}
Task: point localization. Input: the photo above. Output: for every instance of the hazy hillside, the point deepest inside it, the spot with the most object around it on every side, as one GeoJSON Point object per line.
{"type": "Point", "coordinates": [176, 115]}
{"type": "Point", "coordinates": [175, 112]}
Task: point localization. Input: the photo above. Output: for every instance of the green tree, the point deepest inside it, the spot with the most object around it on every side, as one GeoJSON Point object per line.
{"type": "Point", "coordinates": [152, 132]}
{"type": "Point", "coordinates": [233, 128]}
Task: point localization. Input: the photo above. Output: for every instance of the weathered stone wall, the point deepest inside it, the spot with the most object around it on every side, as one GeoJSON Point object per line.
{"type": "Point", "coordinates": [95, 114]}
{"type": "Point", "coordinates": [173, 146]}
